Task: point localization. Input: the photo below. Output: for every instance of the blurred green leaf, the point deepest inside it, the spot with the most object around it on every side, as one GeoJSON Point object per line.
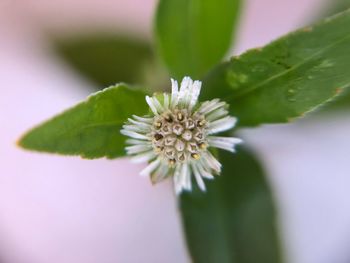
{"type": "Point", "coordinates": [194, 35]}
{"type": "Point", "coordinates": [106, 59]}
{"type": "Point", "coordinates": [287, 78]}
{"type": "Point", "coordinates": [335, 6]}
{"type": "Point", "coordinates": [91, 129]}
{"type": "Point", "coordinates": [235, 221]}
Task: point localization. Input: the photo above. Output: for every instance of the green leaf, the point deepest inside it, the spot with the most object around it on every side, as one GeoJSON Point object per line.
{"type": "Point", "coordinates": [287, 78]}
{"type": "Point", "coordinates": [106, 58]}
{"type": "Point", "coordinates": [235, 221]}
{"type": "Point", "coordinates": [194, 35]}
{"type": "Point", "coordinates": [91, 129]}
{"type": "Point", "coordinates": [333, 7]}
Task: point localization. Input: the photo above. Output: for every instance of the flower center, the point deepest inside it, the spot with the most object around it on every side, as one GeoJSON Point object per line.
{"type": "Point", "coordinates": [179, 136]}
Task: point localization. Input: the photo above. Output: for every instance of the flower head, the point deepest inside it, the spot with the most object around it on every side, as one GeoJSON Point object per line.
{"type": "Point", "coordinates": [175, 139]}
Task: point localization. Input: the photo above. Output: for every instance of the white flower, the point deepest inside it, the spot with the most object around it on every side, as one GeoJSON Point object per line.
{"type": "Point", "coordinates": [176, 138]}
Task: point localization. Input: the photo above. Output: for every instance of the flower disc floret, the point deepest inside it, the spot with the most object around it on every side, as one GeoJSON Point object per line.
{"type": "Point", "coordinates": [178, 136]}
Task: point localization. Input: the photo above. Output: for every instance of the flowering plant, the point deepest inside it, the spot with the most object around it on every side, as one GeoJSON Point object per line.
{"type": "Point", "coordinates": [277, 83]}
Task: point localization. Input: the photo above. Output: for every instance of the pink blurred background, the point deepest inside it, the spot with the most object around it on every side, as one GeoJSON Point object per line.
{"type": "Point", "coordinates": [57, 209]}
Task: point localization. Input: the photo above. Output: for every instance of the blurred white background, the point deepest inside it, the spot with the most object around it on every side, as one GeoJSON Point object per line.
{"type": "Point", "coordinates": [56, 209]}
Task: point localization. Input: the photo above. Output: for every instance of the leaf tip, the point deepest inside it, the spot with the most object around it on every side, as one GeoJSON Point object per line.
{"type": "Point", "coordinates": [25, 142]}
{"type": "Point", "coordinates": [20, 142]}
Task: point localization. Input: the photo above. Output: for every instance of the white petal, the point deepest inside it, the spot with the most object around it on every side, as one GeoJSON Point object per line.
{"type": "Point", "coordinates": [166, 101]}
{"type": "Point", "coordinates": [212, 162]}
{"type": "Point", "coordinates": [185, 83]}
{"type": "Point", "coordinates": [150, 103]}
{"type": "Point", "coordinates": [226, 143]}
{"type": "Point", "coordinates": [184, 92]}
{"type": "Point", "coordinates": [195, 91]}
{"type": "Point", "coordinates": [215, 106]}
{"type": "Point", "coordinates": [150, 168]}
{"type": "Point", "coordinates": [210, 106]}
{"type": "Point", "coordinates": [223, 124]}
{"type": "Point", "coordinates": [137, 142]}
{"type": "Point", "coordinates": [158, 106]}
{"type": "Point", "coordinates": [177, 179]}
{"type": "Point", "coordinates": [204, 173]}
{"type": "Point", "coordinates": [223, 146]}
{"type": "Point", "coordinates": [232, 140]}
{"type": "Point", "coordinates": [182, 178]}
{"type": "Point", "coordinates": [143, 119]}
{"type": "Point", "coordinates": [198, 177]}
{"type": "Point", "coordinates": [134, 149]}
{"type": "Point", "coordinates": [143, 157]}
{"type": "Point", "coordinates": [219, 113]}
{"type": "Point", "coordinates": [203, 105]}
{"type": "Point", "coordinates": [186, 177]}
{"type": "Point", "coordinates": [140, 123]}
{"type": "Point", "coordinates": [160, 173]}
{"type": "Point", "coordinates": [174, 93]}
{"type": "Point", "coordinates": [134, 135]}
{"type": "Point", "coordinates": [183, 175]}
{"type": "Point", "coordinates": [136, 128]}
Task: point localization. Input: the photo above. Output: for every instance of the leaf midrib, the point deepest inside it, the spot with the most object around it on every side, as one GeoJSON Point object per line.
{"type": "Point", "coordinates": [111, 123]}
{"type": "Point", "coordinates": [74, 129]}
